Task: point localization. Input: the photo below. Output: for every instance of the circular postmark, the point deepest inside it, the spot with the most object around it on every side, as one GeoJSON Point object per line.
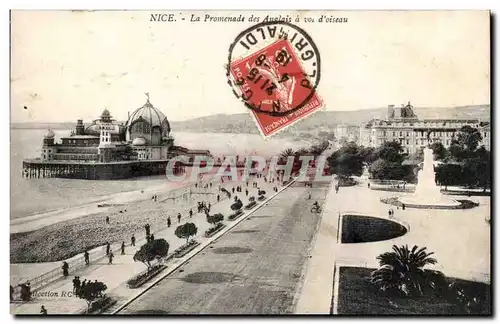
{"type": "Point", "coordinates": [274, 67]}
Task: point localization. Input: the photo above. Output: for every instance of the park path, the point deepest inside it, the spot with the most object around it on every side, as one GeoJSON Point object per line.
{"type": "Point", "coordinates": [123, 268]}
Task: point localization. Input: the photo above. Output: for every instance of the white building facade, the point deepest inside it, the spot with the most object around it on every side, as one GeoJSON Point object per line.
{"type": "Point", "coordinates": [403, 126]}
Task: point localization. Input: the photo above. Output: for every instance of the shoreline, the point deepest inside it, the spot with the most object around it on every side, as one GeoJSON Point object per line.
{"type": "Point", "coordinates": [40, 220]}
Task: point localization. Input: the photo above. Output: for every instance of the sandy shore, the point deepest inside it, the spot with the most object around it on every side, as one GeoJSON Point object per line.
{"type": "Point", "coordinates": [72, 235]}
{"type": "Point", "coordinates": [37, 221]}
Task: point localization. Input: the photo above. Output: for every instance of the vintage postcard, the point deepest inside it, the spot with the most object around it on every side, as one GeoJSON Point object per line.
{"type": "Point", "coordinates": [250, 162]}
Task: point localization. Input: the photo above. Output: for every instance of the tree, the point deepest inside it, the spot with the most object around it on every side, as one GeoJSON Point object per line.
{"type": "Point", "coordinates": [477, 172]}
{"type": "Point", "coordinates": [347, 161]}
{"type": "Point", "coordinates": [456, 151]}
{"type": "Point", "coordinates": [186, 231]}
{"type": "Point", "coordinates": [286, 153]}
{"type": "Point", "coordinates": [91, 291]}
{"type": "Point", "coordinates": [369, 154]}
{"type": "Point", "coordinates": [469, 137]}
{"type": "Point", "coordinates": [391, 152]}
{"type": "Point", "coordinates": [155, 249]}
{"type": "Point", "coordinates": [402, 271]}
{"type": "Point", "coordinates": [449, 174]}
{"type": "Point", "coordinates": [439, 151]}
{"type": "Point", "coordinates": [215, 219]}
{"type": "Point", "coordinates": [382, 169]}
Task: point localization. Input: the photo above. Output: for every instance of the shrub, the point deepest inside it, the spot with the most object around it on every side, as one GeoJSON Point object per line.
{"type": "Point", "coordinates": [215, 219]}
{"type": "Point", "coordinates": [237, 206]}
{"type": "Point", "coordinates": [145, 276]}
{"type": "Point", "coordinates": [211, 230]}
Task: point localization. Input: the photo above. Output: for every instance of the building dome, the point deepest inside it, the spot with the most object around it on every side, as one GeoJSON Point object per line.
{"type": "Point", "coordinates": [139, 141]}
{"type": "Point", "coordinates": [50, 134]}
{"type": "Point", "coordinates": [151, 115]}
{"type": "Point", "coordinates": [105, 113]}
{"type": "Point", "coordinates": [149, 123]}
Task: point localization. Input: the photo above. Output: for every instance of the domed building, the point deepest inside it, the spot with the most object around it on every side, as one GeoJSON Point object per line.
{"type": "Point", "coordinates": [107, 149]}
{"type": "Point", "coordinates": [148, 131]}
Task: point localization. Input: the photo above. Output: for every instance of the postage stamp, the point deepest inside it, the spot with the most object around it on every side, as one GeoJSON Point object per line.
{"type": "Point", "coordinates": [275, 76]}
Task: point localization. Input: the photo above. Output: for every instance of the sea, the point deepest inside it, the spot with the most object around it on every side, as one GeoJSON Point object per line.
{"type": "Point", "coordinates": [29, 197]}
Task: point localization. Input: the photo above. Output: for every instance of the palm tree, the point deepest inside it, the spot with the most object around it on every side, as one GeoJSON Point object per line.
{"type": "Point", "coordinates": [403, 271]}
{"type": "Point", "coordinates": [285, 154]}
{"type": "Point", "coordinates": [301, 152]}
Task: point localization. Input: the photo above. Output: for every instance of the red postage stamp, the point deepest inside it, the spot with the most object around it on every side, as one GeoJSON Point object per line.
{"type": "Point", "coordinates": [278, 82]}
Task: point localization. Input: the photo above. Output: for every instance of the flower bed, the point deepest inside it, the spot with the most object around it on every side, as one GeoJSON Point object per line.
{"type": "Point", "coordinates": [392, 189]}
{"type": "Point", "coordinates": [145, 276]}
{"type": "Point", "coordinates": [251, 205]}
{"type": "Point", "coordinates": [185, 249]}
{"type": "Point", "coordinates": [235, 215]}
{"type": "Point", "coordinates": [99, 306]}
{"type": "Point", "coordinates": [464, 204]}
{"type": "Point", "coordinates": [212, 230]}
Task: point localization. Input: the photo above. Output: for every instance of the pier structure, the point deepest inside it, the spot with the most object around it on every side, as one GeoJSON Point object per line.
{"type": "Point", "coordinates": [107, 149]}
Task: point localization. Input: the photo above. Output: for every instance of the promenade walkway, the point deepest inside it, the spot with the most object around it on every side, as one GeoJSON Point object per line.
{"type": "Point", "coordinates": [55, 295]}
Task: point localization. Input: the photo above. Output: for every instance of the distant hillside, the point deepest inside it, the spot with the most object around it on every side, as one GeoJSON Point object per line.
{"type": "Point", "coordinates": [323, 120]}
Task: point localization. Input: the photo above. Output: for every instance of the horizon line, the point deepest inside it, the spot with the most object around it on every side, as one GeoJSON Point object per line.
{"type": "Point", "coordinates": [241, 113]}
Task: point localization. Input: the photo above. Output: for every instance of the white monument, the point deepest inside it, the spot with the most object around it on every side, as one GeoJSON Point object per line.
{"type": "Point", "coordinates": [426, 191]}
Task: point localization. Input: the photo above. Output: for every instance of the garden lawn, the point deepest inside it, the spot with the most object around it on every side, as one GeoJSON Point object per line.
{"type": "Point", "coordinates": [357, 296]}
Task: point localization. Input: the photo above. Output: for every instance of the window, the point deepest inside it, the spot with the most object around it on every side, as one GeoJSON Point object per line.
{"type": "Point", "coordinates": [400, 133]}
{"type": "Point", "coordinates": [407, 142]}
{"type": "Point", "coordinates": [407, 134]}
{"type": "Point", "coordinates": [393, 133]}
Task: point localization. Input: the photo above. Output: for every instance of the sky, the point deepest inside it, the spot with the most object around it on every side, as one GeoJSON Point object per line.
{"type": "Point", "coordinates": [69, 65]}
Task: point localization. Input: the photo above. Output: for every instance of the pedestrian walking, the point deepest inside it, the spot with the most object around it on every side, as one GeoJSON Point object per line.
{"type": "Point", "coordinates": [107, 219]}
{"type": "Point", "coordinates": [169, 222]}
{"type": "Point", "coordinates": [74, 284]}
{"type": "Point", "coordinates": [108, 248]}
{"type": "Point", "coordinates": [43, 310]}
{"type": "Point", "coordinates": [123, 247]}
{"type": "Point", "coordinates": [179, 217]}
{"type": "Point", "coordinates": [78, 284]}
{"type": "Point", "coordinates": [148, 229]}
{"type": "Point", "coordinates": [132, 240]}
{"type": "Point", "coordinates": [190, 213]}
{"type": "Point", "coordinates": [246, 192]}
{"type": "Point", "coordinates": [86, 257]}
{"type": "Point", "coordinates": [65, 268]}
{"type": "Point", "coordinates": [218, 197]}
{"type": "Point", "coordinates": [110, 256]}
